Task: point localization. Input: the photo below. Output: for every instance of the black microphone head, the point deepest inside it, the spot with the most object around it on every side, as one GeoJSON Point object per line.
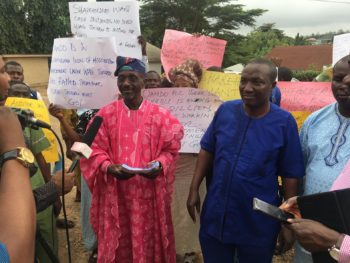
{"type": "Point", "coordinates": [91, 132]}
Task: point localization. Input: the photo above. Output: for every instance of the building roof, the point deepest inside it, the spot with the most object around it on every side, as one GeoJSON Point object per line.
{"type": "Point", "coordinates": [302, 57]}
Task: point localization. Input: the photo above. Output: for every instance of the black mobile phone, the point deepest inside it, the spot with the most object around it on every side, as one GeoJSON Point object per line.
{"type": "Point", "coordinates": [271, 210]}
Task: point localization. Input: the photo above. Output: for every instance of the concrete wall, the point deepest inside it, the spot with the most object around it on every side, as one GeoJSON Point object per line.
{"type": "Point", "coordinates": [36, 68]}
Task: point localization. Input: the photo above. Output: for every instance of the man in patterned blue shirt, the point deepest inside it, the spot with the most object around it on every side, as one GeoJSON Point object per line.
{"type": "Point", "coordinates": [325, 141]}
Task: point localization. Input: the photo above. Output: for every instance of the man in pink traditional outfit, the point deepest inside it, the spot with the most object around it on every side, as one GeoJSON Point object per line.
{"type": "Point", "coordinates": [131, 212]}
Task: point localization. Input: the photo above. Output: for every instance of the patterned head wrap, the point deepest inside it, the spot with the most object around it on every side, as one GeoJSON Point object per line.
{"type": "Point", "coordinates": [129, 64]}
{"type": "Point", "coordinates": [190, 70]}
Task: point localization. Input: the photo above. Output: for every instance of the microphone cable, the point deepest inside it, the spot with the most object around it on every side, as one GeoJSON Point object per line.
{"type": "Point", "coordinates": [63, 200]}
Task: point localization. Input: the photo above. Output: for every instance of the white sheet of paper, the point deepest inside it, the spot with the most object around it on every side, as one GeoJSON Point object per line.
{"type": "Point", "coordinates": [108, 19]}
{"type": "Point", "coordinates": [82, 73]}
{"type": "Point", "coordinates": [341, 47]}
{"type": "Point", "coordinates": [194, 108]}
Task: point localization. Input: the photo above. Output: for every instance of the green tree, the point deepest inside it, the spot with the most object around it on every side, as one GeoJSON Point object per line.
{"type": "Point", "coordinates": [260, 41]}
{"type": "Point", "coordinates": [300, 40]}
{"type": "Point", "coordinates": [13, 35]}
{"type": "Point", "coordinates": [30, 26]}
{"type": "Point", "coordinates": [209, 17]}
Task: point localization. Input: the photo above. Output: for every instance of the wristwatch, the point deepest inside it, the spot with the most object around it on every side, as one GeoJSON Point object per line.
{"type": "Point", "coordinates": [334, 251]}
{"type": "Point", "coordinates": [21, 154]}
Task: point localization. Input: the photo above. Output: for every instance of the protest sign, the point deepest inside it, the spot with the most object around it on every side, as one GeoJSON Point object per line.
{"type": "Point", "coordinates": [40, 112]}
{"type": "Point", "coordinates": [179, 46]}
{"type": "Point", "coordinates": [224, 85]}
{"type": "Point", "coordinates": [82, 73]}
{"type": "Point", "coordinates": [305, 96]}
{"type": "Point", "coordinates": [194, 108]}
{"type": "Point", "coordinates": [108, 19]}
{"type": "Point", "coordinates": [300, 117]}
{"type": "Point", "coordinates": [341, 47]}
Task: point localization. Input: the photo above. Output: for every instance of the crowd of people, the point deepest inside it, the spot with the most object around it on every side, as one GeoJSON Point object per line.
{"type": "Point", "coordinates": [126, 187]}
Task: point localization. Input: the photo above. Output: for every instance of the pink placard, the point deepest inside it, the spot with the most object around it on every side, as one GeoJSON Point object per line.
{"type": "Point", "coordinates": [305, 96]}
{"type": "Point", "coordinates": [179, 46]}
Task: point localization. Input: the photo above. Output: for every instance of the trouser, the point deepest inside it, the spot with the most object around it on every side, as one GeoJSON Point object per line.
{"type": "Point", "coordinates": [215, 251]}
{"type": "Point", "coordinates": [89, 236]}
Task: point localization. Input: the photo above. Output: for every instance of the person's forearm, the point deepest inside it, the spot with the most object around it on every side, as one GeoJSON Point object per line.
{"type": "Point", "coordinates": [204, 166]}
{"type": "Point", "coordinates": [290, 187]}
{"type": "Point", "coordinates": [43, 166]}
{"type": "Point", "coordinates": [17, 212]}
{"type": "Point", "coordinates": [70, 132]}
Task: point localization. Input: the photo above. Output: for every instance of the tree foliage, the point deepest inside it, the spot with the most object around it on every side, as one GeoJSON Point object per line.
{"type": "Point", "coordinates": [259, 42]}
{"type": "Point", "coordinates": [209, 17]}
{"type": "Point", "coordinates": [30, 26]}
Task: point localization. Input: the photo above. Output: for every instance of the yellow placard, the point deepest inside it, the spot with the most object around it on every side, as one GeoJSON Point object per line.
{"type": "Point", "coordinates": [224, 85]}
{"type": "Point", "coordinates": [40, 112]}
{"type": "Point", "coordinates": [300, 117]}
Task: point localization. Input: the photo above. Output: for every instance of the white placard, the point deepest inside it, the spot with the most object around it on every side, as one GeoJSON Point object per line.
{"type": "Point", "coordinates": [194, 108]}
{"type": "Point", "coordinates": [82, 73]}
{"type": "Point", "coordinates": [341, 47]}
{"type": "Point", "coordinates": [108, 19]}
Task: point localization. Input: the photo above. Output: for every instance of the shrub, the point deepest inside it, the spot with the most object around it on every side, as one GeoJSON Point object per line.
{"type": "Point", "coordinates": [305, 75]}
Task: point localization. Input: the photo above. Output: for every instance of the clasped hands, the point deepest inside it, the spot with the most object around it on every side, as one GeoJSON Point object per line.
{"type": "Point", "coordinates": [119, 172]}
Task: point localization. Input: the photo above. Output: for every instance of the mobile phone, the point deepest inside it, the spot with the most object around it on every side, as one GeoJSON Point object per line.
{"type": "Point", "coordinates": [271, 210]}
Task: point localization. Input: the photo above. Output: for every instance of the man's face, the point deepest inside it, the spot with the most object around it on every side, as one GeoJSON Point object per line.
{"type": "Point", "coordinates": [4, 83]}
{"type": "Point", "coordinates": [130, 84]}
{"type": "Point", "coordinates": [341, 83]}
{"type": "Point", "coordinates": [255, 86]}
{"type": "Point", "coordinates": [19, 91]}
{"type": "Point", "coordinates": [152, 80]}
{"type": "Point", "coordinates": [15, 72]}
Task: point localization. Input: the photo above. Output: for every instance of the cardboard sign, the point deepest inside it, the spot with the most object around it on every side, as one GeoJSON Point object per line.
{"type": "Point", "coordinates": [194, 108]}
{"type": "Point", "coordinates": [41, 113]}
{"type": "Point", "coordinates": [82, 73]}
{"type": "Point", "coordinates": [305, 96]}
{"type": "Point", "coordinates": [300, 117]}
{"type": "Point", "coordinates": [224, 85]}
{"type": "Point", "coordinates": [179, 46]}
{"type": "Point", "coordinates": [118, 19]}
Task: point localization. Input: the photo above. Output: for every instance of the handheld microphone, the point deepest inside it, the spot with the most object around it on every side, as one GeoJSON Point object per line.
{"type": "Point", "coordinates": [83, 148]}
{"type": "Point", "coordinates": [27, 119]}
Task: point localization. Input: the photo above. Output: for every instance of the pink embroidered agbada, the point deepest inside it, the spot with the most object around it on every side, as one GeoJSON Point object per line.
{"type": "Point", "coordinates": [132, 218]}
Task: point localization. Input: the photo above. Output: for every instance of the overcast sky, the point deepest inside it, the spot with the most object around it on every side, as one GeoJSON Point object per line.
{"type": "Point", "coordinates": [303, 16]}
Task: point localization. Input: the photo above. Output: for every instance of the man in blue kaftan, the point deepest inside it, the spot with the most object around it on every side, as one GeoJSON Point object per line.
{"type": "Point", "coordinates": [248, 144]}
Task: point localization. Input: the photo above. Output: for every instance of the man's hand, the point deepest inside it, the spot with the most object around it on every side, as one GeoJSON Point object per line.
{"type": "Point", "coordinates": [312, 235]}
{"type": "Point", "coordinates": [154, 172]}
{"type": "Point", "coordinates": [11, 135]}
{"type": "Point", "coordinates": [193, 203]}
{"type": "Point", "coordinates": [118, 172]}
{"type": "Point", "coordinates": [291, 206]}
{"type": "Point", "coordinates": [56, 111]}
{"type": "Point", "coordinates": [68, 182]}
{"type": "Point", "coordinates": [143, 43]}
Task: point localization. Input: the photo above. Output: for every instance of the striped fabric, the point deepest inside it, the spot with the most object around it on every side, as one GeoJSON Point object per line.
{"type": "Point", "coordinates": [344, 255]}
